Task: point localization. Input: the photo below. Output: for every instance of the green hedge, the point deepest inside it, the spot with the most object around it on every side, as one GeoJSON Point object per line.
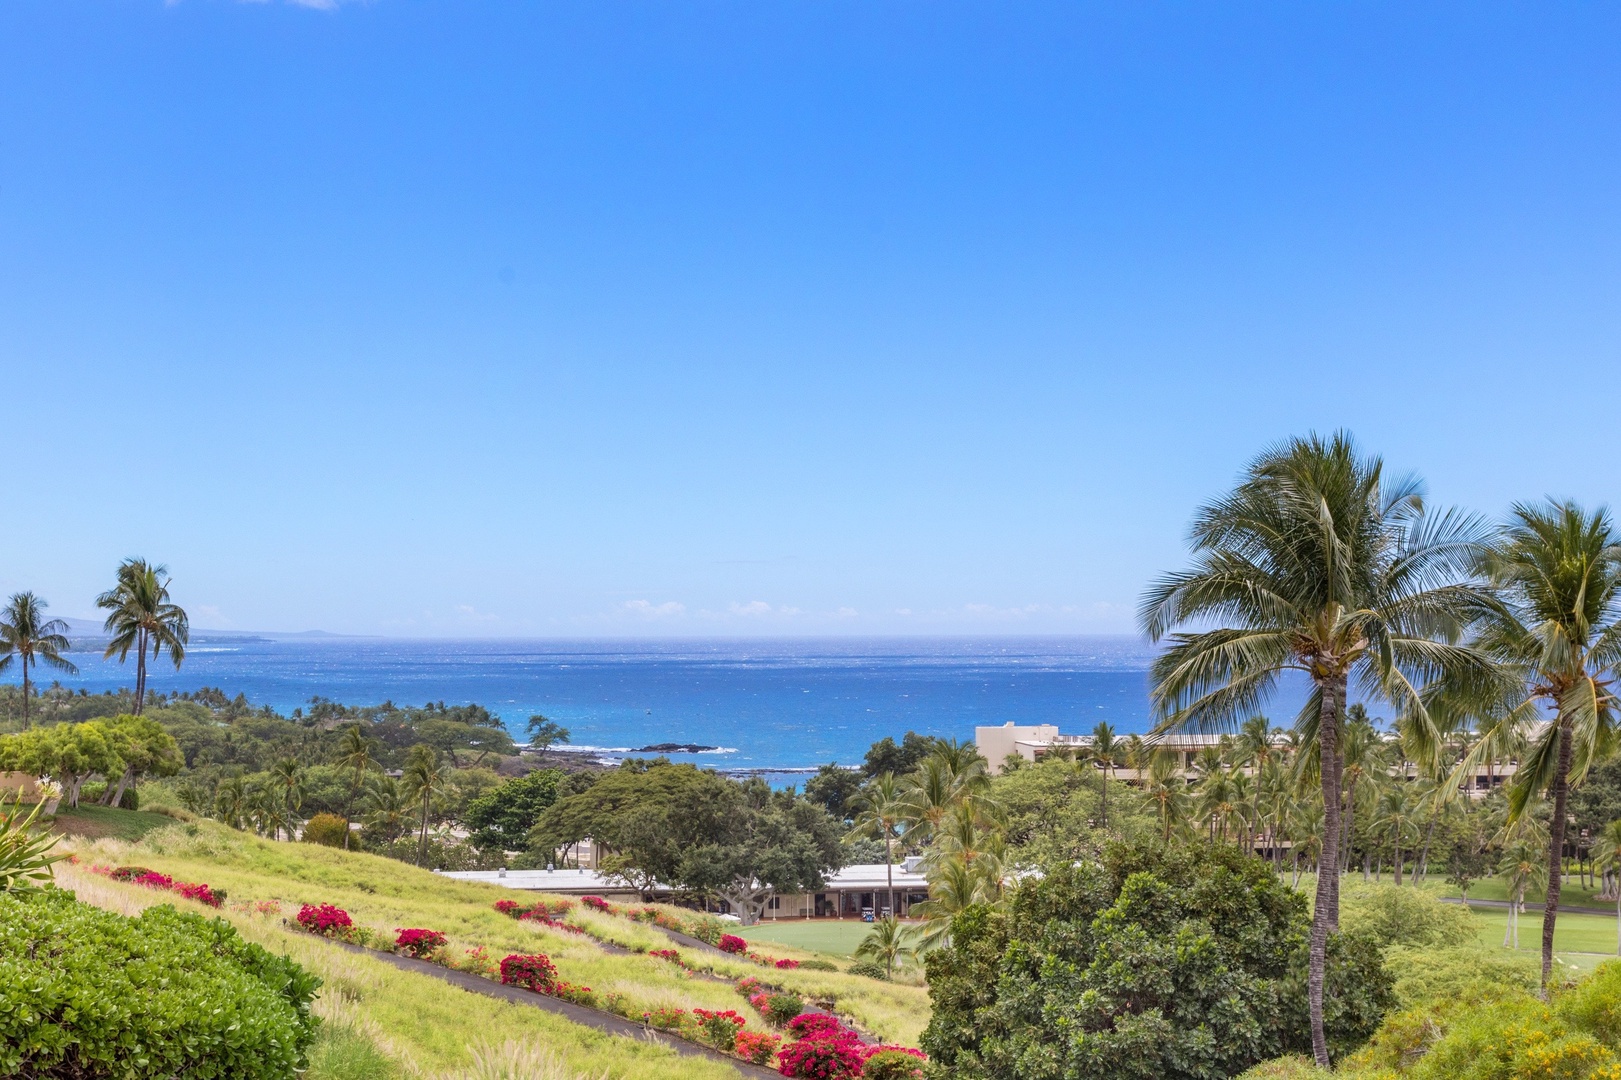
{"type": "Point", "coordinates": [89, 994]}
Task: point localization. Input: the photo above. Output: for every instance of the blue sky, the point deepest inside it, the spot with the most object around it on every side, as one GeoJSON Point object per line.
{"type": "Point", "coordinates": [794, 318]}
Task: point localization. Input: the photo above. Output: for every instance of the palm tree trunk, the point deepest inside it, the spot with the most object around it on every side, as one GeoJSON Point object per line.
{"type": "Point", "coordinates": [140, 672]}
{"type": "Point", "coordinates": [1325, 913]}
{"type": "Point", "coordinates": [889, 873]}
{"type": "Point", "coordinates": [1395, 868]}
{"type": "Point", "coordinates": [1423, 867]}
{"type": "Point", "coordinates": [25, 692]}
{"type": "Point", "coordinates": [422, 841]}
{"type": "Point", "coordinates": [1556, 850]}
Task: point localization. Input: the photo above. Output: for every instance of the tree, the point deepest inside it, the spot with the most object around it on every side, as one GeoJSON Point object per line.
{"type": "Point", "coordinates": [1315, 563]}
{"type": "Point", "coordinates": [387, 809]}
{"type": "Point", "coordinates": [287, 792]}
{"type": "Point", "coordinates": [646, 816]}
{"type": "Point", "coordinates": [1607, 857]}
{"type": "Point", "coordinates": [1557, 637]}
{"type": "Point", "coordinates": [502, 818]}
{"type": "Point", "coordinates": [543, 733]}
{"type": "Point", "coordinates": [145, 748]}
{"type": "Point", "coordinates": [68, 753]}
{"type": "Point", "coordinates": [1167, 791]}
{"type": "Point", "coordinates": [778, 843]}
{"type": "Point", "coordinates": [1104, 750]}
{"type": "Point", "coordinates": [888, 943]}
{"type": "Point", "coordinates": [837, 789]}
{"type": "Point", "coordinates": [1466, 864]}
{"type": "Point", "coordinates": [449, 736]}
{"type": "Point", "coordinates": [882, 813]}
{"type": "Point", "coordinates": [142, 617]}
{"type": "Point", "coordinates": [886, 757]}
{"type": "Point", "coordinates": [425, 780]}
{"type": "Point", "coordinates": [1196, 976]}
{"type": "Point", "coordinates": [27, 636]}
{"type": "Point", "coordinates": [355, 756]}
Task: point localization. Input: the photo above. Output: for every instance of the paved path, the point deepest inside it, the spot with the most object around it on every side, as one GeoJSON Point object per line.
{"type": "Point", "coordinates": [1530, 905]}
{"type": "Point", "coordinates": [597, 1019]}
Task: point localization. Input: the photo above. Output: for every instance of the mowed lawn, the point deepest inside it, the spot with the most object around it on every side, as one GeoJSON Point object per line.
{"type": "Point", "coordinates": [1583, 941]}
{"type": "Point", "coordinates": [835, 937]}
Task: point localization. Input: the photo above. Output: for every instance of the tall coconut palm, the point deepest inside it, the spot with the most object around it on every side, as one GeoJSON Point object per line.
{"type": "Point", "coordinates": [425, 779]}
{"type": "Point", "coordinates": [388, 810]}
{"type": "Point", "coordinates": [941, 781]}
{"type": "Point", "coordinates": [356, 756]}
{"type": "Point", "coordinates": [889, 942]}
{"type": "Point", "coordinates": [881, 809]}
{"type": "Point", "coordinates": [1315, 563]}
{"type": "Point", "coordinates": [1557, 634]}
{"type": "Point", "coordinates": [1521, 867]}
{"type": "Point", "coordinates": [1363, 756]}
{"type": "Point", "coordinates": [1168, 792]}
{"type": "Point", "coordinates": [287, 783]}
{"type": "Point", "coordinates": [142, 617]}
{"type": "Point", "coordinates": [28, 637]}
{"type": "Point", "coordinates": [1394, 815]}
{"type": "Point", "coordinates": [1104, 751]}
{"type": "Point", "coordinates": [1607, 859]}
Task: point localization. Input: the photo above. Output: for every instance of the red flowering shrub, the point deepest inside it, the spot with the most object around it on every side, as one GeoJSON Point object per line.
{"type": "Point", "coordinates": [201, 893]}
{"type": "Point", "coordinates": [667, 1018]}
{"type": "Point", "coordinates": [787, 964]}
{"type": "Point", "coordinates": [127, 873]}
{"type": "Point", "coordinates": [326, 920]}
{"type": "Point", "coordinates": [731, 943]}
{"type": "Point", "coordinates": [824, 1049]}
{"type": "Point", "coordinates": [596, 903]}
{"type": "Point", "coordinates": [818, 1026]}
{"type": "Point", "coordinates": [154, 880]}
{"type": "Point", "coordinates": [748, 985]}
{"type": "Point", "coordinates": [756, 1046]}
{"type": "Point", "coordinates": [508, 908]}
{"type": "Point", "coordinates": [534, 972]}
{"type": "Point", "coordinates": [671, 955]}
{"type": "Point", "coordinates": [420, 943]}
{"type": "Point", "coordinates": [719, 1029]}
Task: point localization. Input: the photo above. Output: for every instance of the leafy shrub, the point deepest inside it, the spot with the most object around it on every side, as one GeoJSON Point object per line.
{"type": "Point", "coordinates": [1293, 1067]}
{"type": "Point", "coordinates": [731, 943]}
{"type": "Point", "coordinates": [668, 1018]}
{"type": "Point", "coordinates": [893, 1063]}
{"type": "Point", "coordinates": [868, 969]}
{"type": "Point", "coordinates": [325, 919]}
{"type": "Point", "coordinates": [756, 1046]}
{"type": "Point", "coordinates": [719, 1028]}
{"type": "Point", "coordinates": [596, 903]}
{"type": "Point", "coordinates": [748, 985]}
{"type": "Point", "coordinates": [1462, 972]}
{"type": "Point", "coordinates": [128, 873]}
{"type": "Point", "coordinates": [781, 1009]}
{"type": "Point", "coordinates": [1391, 915]}
{"type": "Point", "coordinates": [533, 972]}
{"type": "Point", "coordinates": [420, 943]}
{"type": "Point", "coordinates": [1189, 962]}
{"type": "Point", "coordinates": [25, 855]}
{"type": "Point", "coordinates": [328, 830]}
{"type": "Point", "coordinates": [92, 995]}
{"type": "Point", "coordinates": [707, 928]}
{"type": "Point", "coordinates": [509, 908]}
{"type": "Point", "coordinates": [1594, 1004]}
{"type": "Point", "coordinates": [817, 965]}
{"type": "Point", "coordinates": [579, 995]}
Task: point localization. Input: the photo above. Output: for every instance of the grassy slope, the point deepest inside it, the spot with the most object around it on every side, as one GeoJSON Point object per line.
{"type": "Point", "coordinates": [103, 822]}
{"type": "Point", "coordinates": [385, 895]}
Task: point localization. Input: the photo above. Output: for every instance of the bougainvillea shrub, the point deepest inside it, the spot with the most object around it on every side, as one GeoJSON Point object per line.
{"type": "Point", "coordinates": [508, 907]}
{"type": "Point", "coordinates": [787, 965]}
{"type": "Point", "coordinates": [757, 1046]}
{"type": "Point", "coordinates": [719, 1028]}
{"type": "Point", "coordinates": [596, 903]}
{"type": "Point", "coordinates": [325, 919]}
{"type": "Point", "coordinates": [731, 943]}
{"type": "Point", "coordinates": [419, 943]}
{"type": "Point", "coordinates": [532, 972]}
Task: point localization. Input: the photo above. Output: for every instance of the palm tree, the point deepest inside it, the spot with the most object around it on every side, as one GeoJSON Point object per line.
{"type": "Point", "coordinates": [425, 779]}
{"type": "Point", "coordinates": [882, 811]}
{"type": "Point", "coordinates": [1167, 791]}
{"type": "Point", "coordinates": [354, 754]}
{"type": "Point", "coordinates": [1521, 867]}
{"type": "Point", "coordinates": [1104, 750]}
{"type": "Point", "coordinates": [26, 635]}
{"type": "Point", "coordinates": [231, 801]}
{"type": "Point", "coordinates": [1219, 799]}
{"type": "Point", "coordinates": [287, 784]}
{"type": "Point", "coordinates": [141, 617]}
{"type": "Point", "coordinates": [1362, 756]}
{"type": "Point", "coordinates": [1607, 858]}
{"type": "Point", "coordinates": [942, 779]}
{"type": "Point", "coordinates": [889, 942]}
{"type": "Point", "coordinates": [387, 808]}
{"type": "Point", "coordinates": [1314, 563]}
{"type": "Point", "coordinates": [1394, 813]}
{"type": "Point", "coordinates": [1557, 636]}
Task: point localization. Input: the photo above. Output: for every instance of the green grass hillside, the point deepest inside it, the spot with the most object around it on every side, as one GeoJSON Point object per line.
{"type": "Point", "coordinates": [406, 1024]}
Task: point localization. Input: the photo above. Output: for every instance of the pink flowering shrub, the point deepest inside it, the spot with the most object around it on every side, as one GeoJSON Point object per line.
{"type": "Point", "coordinates": [507, 907]}
{"type": "Point", "coordinates": [326, 920]}
{"type": "Point", "coordinates": [787, 965]}
{"type": "Point", "coordinates": [596, 903]}
{"type": "Point", "coordinates": [756, 1046]}
{"type": "Point", "coordinates": [823, 1049]}
{"type": "Point", "coordinates": [534, 972]}
{"type": "Point", "coordinates": [420, 943]}
{"type": "Point", "coordinates": [731, 943]}
{"type": "Point", "coordinates": [748, 985]}
{"type": "Point", "coordinates": [200, 893]}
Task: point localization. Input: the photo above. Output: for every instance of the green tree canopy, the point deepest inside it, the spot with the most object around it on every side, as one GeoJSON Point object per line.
{"type": "Point", "coordinates": [1186, 963]}
{"type": "Point", "coordinates": [776, 843]}
{"type": "Point", "coordinates": [502, 818]}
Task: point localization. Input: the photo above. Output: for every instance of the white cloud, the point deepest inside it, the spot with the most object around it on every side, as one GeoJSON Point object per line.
{"type": "Point", "coordinates": [752, 609]}
{"type": "Point", "coordinates": [648, 610]}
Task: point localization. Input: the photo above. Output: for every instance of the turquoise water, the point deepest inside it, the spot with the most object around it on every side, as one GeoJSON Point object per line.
{"type": "Point", "coordinates": [767, 704]}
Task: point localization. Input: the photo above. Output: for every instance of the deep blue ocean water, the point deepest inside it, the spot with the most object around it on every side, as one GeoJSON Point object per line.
{"type": "Point", "coordinates": [769, 704]}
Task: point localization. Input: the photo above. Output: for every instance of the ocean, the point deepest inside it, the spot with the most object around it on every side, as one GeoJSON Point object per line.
{"type": "Point", "coordinates": [765, 704]}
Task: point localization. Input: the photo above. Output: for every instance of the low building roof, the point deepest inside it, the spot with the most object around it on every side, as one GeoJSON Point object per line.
{"type": "Point", "coordinates": [863, 876]}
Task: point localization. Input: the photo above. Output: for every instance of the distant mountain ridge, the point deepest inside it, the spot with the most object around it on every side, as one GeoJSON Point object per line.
{"type": "Point", "coordinates": [80, 629]}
